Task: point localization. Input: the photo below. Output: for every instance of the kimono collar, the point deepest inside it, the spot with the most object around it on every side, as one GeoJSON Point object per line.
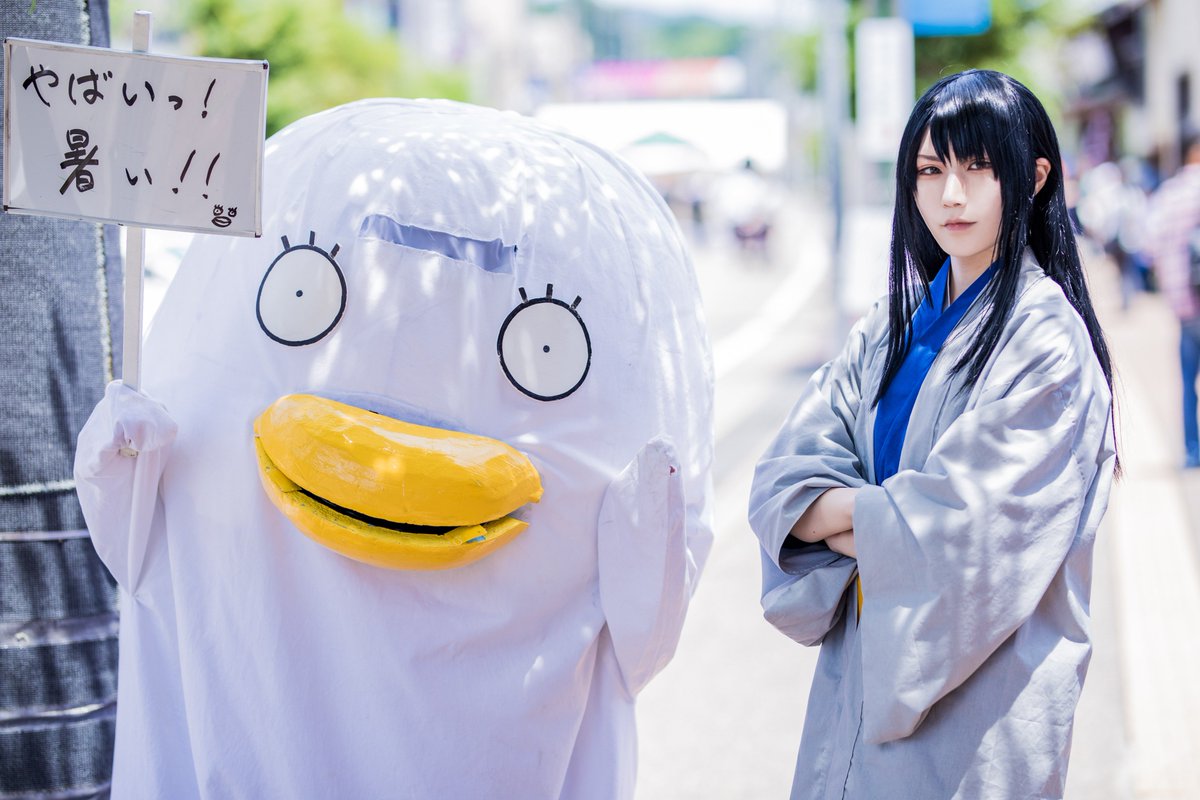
{"type": "Point", "coordinates": [1031, 271]}
{"type": "Point", "coordinates": [932, 319]}
{"type": "Point", "coordinates": [930, 327]}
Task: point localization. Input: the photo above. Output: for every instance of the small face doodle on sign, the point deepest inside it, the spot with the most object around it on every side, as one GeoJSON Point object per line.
{"type": "Point", "coordinates": [223, 218]}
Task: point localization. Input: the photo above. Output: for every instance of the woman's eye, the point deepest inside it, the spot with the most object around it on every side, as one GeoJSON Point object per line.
{"type": "Point", "coordinates": [544, 347]}
{"type": "Point", "coordinates": [302, 295]}
{"type": "Point", "coordinates": [930, 170]}
{"type": "Point", "coordinates": [981, 164]}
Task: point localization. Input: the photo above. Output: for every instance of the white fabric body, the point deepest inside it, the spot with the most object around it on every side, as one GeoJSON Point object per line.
{"type": "Point", "coordinates": [256, 663]}
{"type": "Point", "coordinates": [961, 677]}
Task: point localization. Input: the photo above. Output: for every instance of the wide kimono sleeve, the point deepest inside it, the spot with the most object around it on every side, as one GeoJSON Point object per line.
{"type": "Point", "coordinates": [955, 556]}
{"type": "Point", "coordinates": [803, 584]}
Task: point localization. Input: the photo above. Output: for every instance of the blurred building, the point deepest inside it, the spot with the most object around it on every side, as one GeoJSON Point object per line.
{"type": "Point", "coordinates": [1138, 72]}
{"type": "Point", "coordinates": [508, 51]}
{"type": "Point", "coordinates": [661, 78]}
{"type": "Point", "coordinates": [667, 88]}
{"type": "Point", "coordinates": [1172, 75]}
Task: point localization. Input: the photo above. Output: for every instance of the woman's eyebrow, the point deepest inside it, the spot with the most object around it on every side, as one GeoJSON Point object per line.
{"type": "Point", "coordinates": [929, 157]}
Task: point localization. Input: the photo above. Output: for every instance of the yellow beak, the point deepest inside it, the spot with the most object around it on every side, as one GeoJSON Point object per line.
{"type": "Point", "coordinates": [390, 493]}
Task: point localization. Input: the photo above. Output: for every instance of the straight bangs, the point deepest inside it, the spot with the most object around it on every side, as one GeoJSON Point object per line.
{"type": "Point", "coordinates": [967, 131]}
{"type": "Point", "coordinates": [973, 118]}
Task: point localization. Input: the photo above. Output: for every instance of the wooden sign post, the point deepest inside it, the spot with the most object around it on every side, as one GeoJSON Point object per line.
{"type": "Point", "coordinates": [135, 258]}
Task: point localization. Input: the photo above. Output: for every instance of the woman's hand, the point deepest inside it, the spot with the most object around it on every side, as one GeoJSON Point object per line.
{"type": "Point", "coordinates": [831, 513]}
{"type": "Point", "coordinates": [842, 543]}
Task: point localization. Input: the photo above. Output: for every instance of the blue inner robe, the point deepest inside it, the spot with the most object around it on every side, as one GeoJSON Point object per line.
{"type": "Point", "coordinates": [930, 327]}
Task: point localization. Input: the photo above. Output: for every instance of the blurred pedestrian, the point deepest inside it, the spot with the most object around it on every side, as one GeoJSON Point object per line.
{"type": "Point", "coordinates": [1175, 247]}
{"type": "Point", "coordinates": [928, 511]}
{"type": "Point", "coordinates": [750, 203]}
{"type": "Point", "coordinates": [696, 189]}
{"type": "Point", "coordinates": [1113, 212]}
{"type": "Point", "coordinates": [1071, 193]}
{"type": "Point", "coordinates": [1134, 263]}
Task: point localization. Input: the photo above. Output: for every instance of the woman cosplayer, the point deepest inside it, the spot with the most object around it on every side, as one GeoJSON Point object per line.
{"type": "Point", "coordinates": [928, 510]}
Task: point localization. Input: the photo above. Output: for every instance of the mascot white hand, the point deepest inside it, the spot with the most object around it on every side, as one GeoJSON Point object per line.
{"type": "Point", "coordinates": [440, 491]}
{"type": "Point", "coordinates": [119, 459]}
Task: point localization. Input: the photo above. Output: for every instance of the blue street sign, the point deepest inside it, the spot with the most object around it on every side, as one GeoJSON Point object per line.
{"type": "Point", "coordinates": [947, 17]}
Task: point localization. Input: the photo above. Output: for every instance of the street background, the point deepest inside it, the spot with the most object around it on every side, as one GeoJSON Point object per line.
{"type": "Point", "coordinates": [770, 126]}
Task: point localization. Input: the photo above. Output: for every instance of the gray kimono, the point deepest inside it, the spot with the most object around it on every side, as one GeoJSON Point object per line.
{"type": "Point", "coordinates": [960, 677]}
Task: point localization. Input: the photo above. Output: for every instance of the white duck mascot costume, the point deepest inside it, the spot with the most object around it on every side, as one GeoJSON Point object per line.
{"type": "Point", "coordinates": [423, 491]}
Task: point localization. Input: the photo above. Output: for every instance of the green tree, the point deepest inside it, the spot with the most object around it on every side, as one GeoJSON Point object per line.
{"type": "Point", "coordinates": [1018, 28]}
{"type": "Point", "coordinates": [319, 58]}
{"type": "Point", "coordinates": [800, 54]}
{"type": "Point", "coordinates": [695, 37]}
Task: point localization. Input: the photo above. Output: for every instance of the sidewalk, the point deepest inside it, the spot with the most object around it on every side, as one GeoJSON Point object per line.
{"type": "Point", "coordinates": [1150, 533]}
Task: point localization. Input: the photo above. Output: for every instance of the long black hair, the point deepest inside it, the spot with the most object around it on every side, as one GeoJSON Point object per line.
{"type": "Point", "coordinates": [985, 114]}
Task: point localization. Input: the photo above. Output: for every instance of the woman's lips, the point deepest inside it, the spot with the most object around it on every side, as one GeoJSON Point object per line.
{"type": "Point", "coordinates": [959, 225]}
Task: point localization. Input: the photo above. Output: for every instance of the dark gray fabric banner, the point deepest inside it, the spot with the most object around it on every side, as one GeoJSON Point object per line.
{"type": "Point", "coordinates": [60, 327]}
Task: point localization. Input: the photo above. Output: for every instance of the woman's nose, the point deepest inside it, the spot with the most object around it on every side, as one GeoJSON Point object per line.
{"type": "Point", "coordinates": [953, 193]}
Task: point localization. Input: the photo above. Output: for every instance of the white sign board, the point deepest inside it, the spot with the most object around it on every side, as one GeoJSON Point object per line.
{"type": "Point", "coordinates": [135, 138]}
{"type": "Point", "coordinates": [884, 85]}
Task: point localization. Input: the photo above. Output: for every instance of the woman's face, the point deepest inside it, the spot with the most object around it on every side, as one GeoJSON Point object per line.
{"type": "Point", "coordinates": [960, 204]}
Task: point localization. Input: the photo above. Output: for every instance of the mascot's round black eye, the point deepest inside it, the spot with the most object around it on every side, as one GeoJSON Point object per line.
{"type": "Point", "coordinates": [544, 347]}
{"type": "Point", "coordinates": [303, 294]}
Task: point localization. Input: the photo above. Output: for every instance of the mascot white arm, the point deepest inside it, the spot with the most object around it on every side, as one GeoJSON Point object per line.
{"type": "Point", "coordinates": [121, 453]}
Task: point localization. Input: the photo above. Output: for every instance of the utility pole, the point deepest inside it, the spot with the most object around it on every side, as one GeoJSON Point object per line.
{"type": "Point", "coordinates": [835, 103]}
{"type": "Point", "coordinates": [61, 333]}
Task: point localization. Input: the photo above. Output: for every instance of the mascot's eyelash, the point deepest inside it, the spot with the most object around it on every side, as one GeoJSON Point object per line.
{"type": "Point", "coordinates": [312, 242]}
{"type": "Point", "coordinates": [549, 295]}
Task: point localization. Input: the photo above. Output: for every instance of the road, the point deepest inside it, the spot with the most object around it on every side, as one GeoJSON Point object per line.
{"type": "Point", "coordinates": [723, 720]}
